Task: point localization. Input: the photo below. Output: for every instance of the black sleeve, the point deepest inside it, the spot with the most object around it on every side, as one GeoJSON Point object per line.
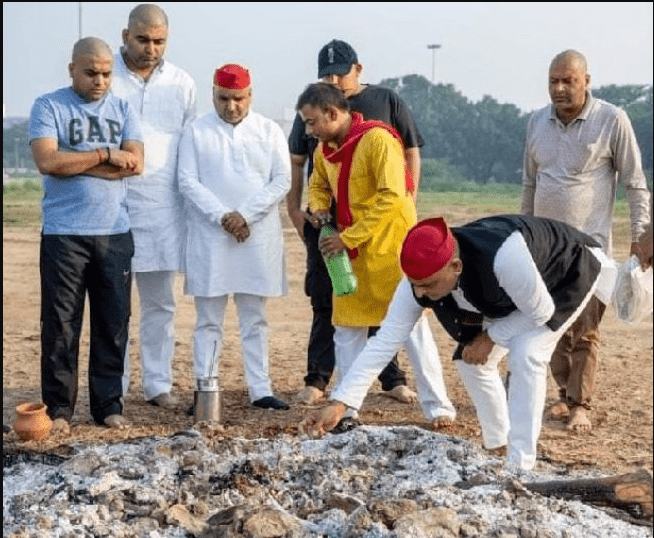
{"type": "Point", "coordinates": [298, 143]}
{"type": "Point", "coordinates": [301, 144]}
{"type": "Point", "coordinates": [380, 103]}
{"type": "Point", "coordinates": [404, 124]}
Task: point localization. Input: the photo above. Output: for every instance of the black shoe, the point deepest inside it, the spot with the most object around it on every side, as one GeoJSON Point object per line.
{"type": "Point", "coordinates": [191, 410]}
{"type": "Point", "coordinates": [270, 402]}
{"type": "Point", "coordinates": [346, 424]}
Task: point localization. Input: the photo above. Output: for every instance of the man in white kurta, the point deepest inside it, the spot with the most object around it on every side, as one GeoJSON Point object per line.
{"type": "Point", "coordinates": [164, 97]}
{"type": "Point", "coordinates": [234, 169]}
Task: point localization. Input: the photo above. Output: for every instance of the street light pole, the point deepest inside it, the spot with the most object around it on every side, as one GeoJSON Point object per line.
{"type": "Point", "coordinates": [433, 48]}
{"type": "Point", "coordinates": [16, 164]}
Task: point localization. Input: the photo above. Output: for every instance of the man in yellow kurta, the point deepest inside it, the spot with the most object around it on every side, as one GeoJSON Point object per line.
{"type": "Point", "coordinates": [361, 165]}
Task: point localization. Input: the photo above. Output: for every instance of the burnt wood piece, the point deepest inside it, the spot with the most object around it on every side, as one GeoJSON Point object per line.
{"type": "Point", "coordinates": [631, 492]}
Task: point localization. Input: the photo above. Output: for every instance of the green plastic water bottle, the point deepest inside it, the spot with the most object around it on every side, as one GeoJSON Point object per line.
{"type": "Point", "coordinates": [339, 267]}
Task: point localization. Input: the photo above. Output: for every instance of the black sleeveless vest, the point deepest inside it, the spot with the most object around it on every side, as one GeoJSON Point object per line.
{"type": "Point", "coordinates": [558, 250]}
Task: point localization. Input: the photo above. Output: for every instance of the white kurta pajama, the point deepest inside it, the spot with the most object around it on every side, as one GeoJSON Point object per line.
{"type": "Point", "coordinates": [165, 104]}
{"type": "Point", "coordinates": [224, 168]}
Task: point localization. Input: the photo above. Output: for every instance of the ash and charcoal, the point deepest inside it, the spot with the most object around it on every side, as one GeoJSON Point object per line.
{"type": "Point", "coordinates": [374, 482]}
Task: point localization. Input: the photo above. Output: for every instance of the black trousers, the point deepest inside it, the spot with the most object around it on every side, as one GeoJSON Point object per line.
{"type": "Point", "coordinates": [320, 353]}
{"type": "Point", "coordinates": [72, 266]}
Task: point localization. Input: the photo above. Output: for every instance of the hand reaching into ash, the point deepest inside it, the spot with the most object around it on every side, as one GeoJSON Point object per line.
{"type": "Point", "coordinates": [320, 421]}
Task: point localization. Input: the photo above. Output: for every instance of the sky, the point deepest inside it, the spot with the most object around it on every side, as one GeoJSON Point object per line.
{"type": "Point", "coordinates": [501, 49]}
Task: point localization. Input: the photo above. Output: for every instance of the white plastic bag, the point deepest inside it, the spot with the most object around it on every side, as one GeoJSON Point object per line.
{"type": "Point", "coordinates": [632, 295]}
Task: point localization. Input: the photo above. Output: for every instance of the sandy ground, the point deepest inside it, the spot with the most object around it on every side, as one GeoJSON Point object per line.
{"type": "Point", "coordinates": [620, 441]}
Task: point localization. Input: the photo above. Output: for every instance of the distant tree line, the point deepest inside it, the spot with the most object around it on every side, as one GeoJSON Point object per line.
{"type": "Point", "coordinates": [483, 141]}
{"type": "Point", "coordinates": [637, 102]}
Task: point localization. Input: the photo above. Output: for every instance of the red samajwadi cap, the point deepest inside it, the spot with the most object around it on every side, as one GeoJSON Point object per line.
{"type": "Point", "coordinates": [427, 248]}
{"type": "Point", "coordinates": [232, 77]}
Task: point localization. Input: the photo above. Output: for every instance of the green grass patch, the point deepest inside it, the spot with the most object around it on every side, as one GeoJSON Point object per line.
{"type": "Point", "coordinates": [473, 199]}
{"type": "Point", "coordinates": [455, 206]}
{"type": "Point", "coordinates": [22, 189]}
{"type": "Point", "coordinates": [21, 203]}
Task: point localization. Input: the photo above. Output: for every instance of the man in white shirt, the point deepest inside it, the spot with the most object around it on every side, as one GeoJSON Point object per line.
{"type": "Point", "coordinates": [164, 97]}
{"type": "Point", "coordinates": [509, 282]}
{"type": "Point", "coordinates": [577, 150]}
{"type": "Point", "coordinates": [234, 170]}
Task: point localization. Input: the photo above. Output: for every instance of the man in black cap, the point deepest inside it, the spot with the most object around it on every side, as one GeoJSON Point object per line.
{"type": "Point", "coordinates": [339, 65]}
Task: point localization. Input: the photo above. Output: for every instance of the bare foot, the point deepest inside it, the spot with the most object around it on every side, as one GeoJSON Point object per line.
{"type": "Point", "coordinates": [578, 421]}
{"type": "Point", "coordinates": [117, 422]}
{"type": "Point", "coordinates": [558, 411]}
{"type": "Point", "coordinates": [442, 423]}
{"type": "Point", "coordinates": [402, 393]}
{"type": "Point", "coordinates": [60, 426]}
{"type": "Point", "coordinates": [309, 395]}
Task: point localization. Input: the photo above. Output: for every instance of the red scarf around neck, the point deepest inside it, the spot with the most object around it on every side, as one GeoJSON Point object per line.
{"type": "Point", "coordinates": [343, 155]}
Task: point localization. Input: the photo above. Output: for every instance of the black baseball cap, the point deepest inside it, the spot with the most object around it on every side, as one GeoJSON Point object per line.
{"type": "Point", "coordinates": [336, 58]}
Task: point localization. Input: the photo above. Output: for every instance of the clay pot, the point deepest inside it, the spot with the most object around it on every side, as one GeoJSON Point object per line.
{"type": "Point", "coordinates": [32, 423]}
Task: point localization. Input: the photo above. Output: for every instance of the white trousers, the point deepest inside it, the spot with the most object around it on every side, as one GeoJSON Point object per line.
{"type": "Point", "coordinates": [486, 390]}
{"type": "Point", "coordinates": [517, 424]}
{"type": "Point", "coordinates": [156, 291]}
{"type": "Point", "coordinates": [423, 357]}
{"type": "Point", "coordinates": [253, 326]}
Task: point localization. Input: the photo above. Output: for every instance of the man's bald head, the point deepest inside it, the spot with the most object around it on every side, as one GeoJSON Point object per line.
{"type": "Point", "coordinates": [571, 57]}
{"type": "Point", "coordinates": [147, 15]}
{"type": "Point", "coordinates": [145, 39]}
{"type": "Point", "coordinates": [91, 46]}
{"type": "Point", "coordinates": [91, 68]}
{"type": "Point", "coordinates": [568, 83]}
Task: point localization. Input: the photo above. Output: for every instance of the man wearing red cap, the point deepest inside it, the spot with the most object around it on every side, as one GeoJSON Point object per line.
{"type": "Point", "coordinates": [500, 283]}
{"type": "Point", "coordinates": [234, 169]}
